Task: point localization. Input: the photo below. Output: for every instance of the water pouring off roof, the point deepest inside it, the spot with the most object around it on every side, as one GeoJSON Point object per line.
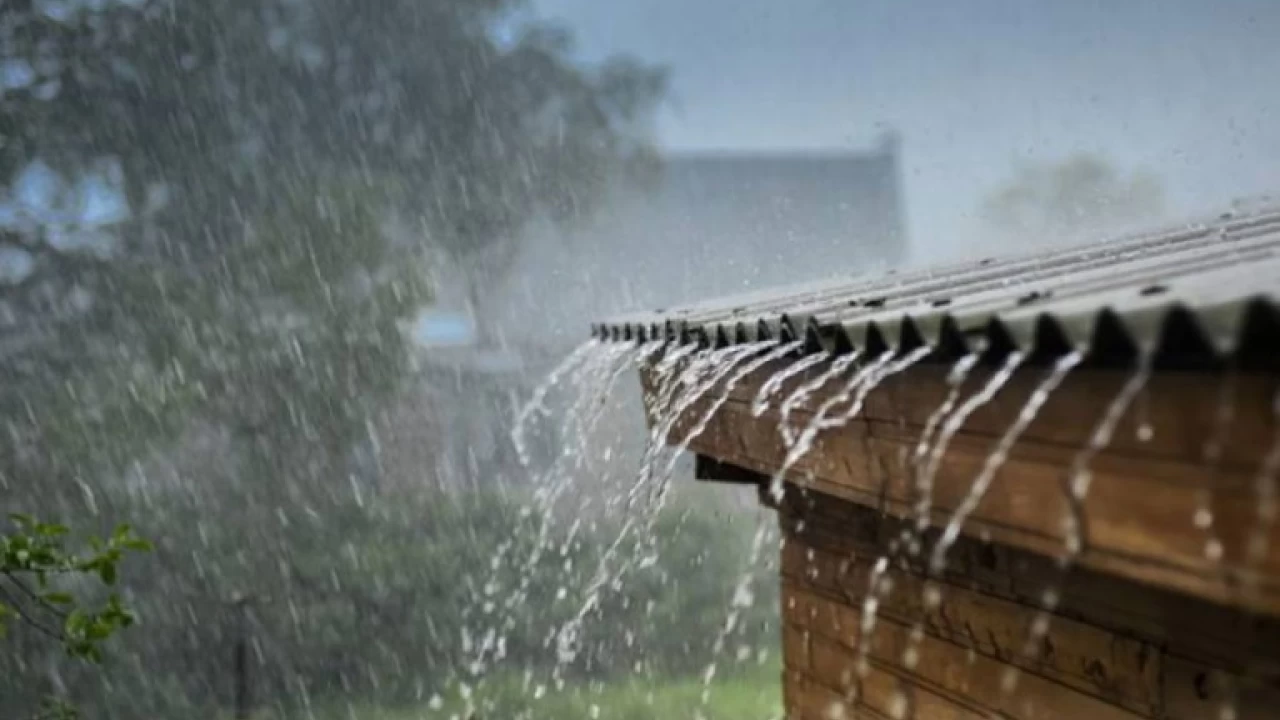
{"type": "Point", "coordinates": [962, 458]}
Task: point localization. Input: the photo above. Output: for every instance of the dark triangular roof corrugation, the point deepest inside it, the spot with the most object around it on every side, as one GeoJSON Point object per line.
{"type": "Point", "coordinates": [1209, 290]}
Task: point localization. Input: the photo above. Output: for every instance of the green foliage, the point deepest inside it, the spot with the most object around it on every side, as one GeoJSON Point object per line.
{"type": "Point", "coordinates": [254, 297]}
{"type": "Point", "coordinates": [278, 136]}
{"type": "Point", "coordinates": [1066, 199]}
{"type": "Point", "coordinates": [750, 694]}
{"type": "Point", "coordinates": [36, 572]}
{"type": "Point", "coordinates": [56, 709]}
{"type": "Point", "coordinates": [371, 602]}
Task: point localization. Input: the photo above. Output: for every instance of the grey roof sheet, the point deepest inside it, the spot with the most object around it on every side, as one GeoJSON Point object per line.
{"type": "Point", "coordinates": [1209, 288]}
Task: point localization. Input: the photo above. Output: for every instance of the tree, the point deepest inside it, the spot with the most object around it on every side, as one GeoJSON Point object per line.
{"type": "Point", "coordinates": [195, 238]}
{"type": "Point", "coordinates": [1068, 199]}
{"type": "Point", "coordinates": [38, 579]}
{"type": "Point", "coordinates": [204, 116]}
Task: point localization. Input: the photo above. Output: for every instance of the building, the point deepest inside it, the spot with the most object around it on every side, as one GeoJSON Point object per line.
{"type": "Point", "coordinates": [711, 224]}
{"type": "Point", "coordinates": [1045, 486]}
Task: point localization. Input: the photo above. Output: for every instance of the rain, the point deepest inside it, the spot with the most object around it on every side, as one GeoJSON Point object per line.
{"type": "Point", "coordinates": [556, 359]}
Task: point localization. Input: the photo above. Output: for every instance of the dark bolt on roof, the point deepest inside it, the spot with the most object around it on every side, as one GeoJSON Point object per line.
{"type": "Point", "coordinates": [1202, 293]}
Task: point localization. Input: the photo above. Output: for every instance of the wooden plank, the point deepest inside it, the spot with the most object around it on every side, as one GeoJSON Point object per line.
{"type": "Point", "coordinates": [1155, 653]}
{"type": "Point", "coordinates": [1121, 670]}
{"type": "Point", "coordinates": [946, 668]}
{"type": "Point", "coordinates": [1193, 691]}
{"type": "Point", "coordinates": [795, 647]}
{"type": "Point", "coordinates": [880, 697]}
{"type": "Point", "coordinates": [1180, 408]}
{"type": "Point", "coordinates": [818, 552]}
{"type": "Point", "coordinates": [1148, 622]}
{"type": "Point", "coordinates": [1139, 515]}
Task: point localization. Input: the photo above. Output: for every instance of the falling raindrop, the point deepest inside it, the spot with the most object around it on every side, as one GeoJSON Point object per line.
{"type": "Point", "coordinates": [1000, 453]}
{"type": "Point", "coordinates": [771, 386]}
{"type": "Point", "coordinates": [805, 391]}
{"type": "Point", "coordinates": [1076, 489]}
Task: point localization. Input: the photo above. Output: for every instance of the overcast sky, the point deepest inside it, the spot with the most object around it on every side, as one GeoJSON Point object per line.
{"type": "Point", "coordinates": [1186, 89]}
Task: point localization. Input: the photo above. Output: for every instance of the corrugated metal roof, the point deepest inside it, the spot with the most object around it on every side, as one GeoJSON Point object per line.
{"type": "Point", "coordinates": [1210, 290]}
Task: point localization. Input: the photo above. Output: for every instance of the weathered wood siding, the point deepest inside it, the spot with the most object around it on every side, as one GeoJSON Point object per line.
{"type": "Point", "coordinates": [1144, 496]}
{"type": "Point", "coordinates": [1114, 648]}
{"type": "Point", "coordinates": [1163, 615]}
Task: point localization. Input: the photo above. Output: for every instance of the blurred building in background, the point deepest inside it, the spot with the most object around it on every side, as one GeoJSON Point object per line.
{"type": "Point", "coordinates": [713, 224]}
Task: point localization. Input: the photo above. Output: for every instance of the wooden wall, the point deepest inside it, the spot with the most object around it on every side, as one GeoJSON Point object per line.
{"type": "Point", "coordinates": [1162, 616]}
{"type": "Point", "coordinates": [1146, 491]}
{"type": "Point", "coordinates": [1114, 648]}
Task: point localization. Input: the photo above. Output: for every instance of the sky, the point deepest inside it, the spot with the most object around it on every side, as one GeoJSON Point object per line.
{"type": "Point", "coordinates": [1184, 89]}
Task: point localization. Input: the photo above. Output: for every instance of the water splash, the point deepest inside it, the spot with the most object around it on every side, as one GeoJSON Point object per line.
{"type": "Point", "coordinates": [804, 441]}
{"type": "Point", "coordinates": [1264, 489]}
{"type": "Point", "coordinates": [982, 483]}
{"type": "Point", "coordinates": [1079, 477]}
{"type": "Point", "coordinates": [882, 369]}
{"type": "Point", "coordinates": [706, 371]}
{"type": "Point", "coordinates": [747, 369]}
{"type": "Point", "coordinates": [1000, 453]}
{"type": "Point", "coordinates": [1078, 481]}
{"type": "Point", "coordinates": [774, 355]}
{"type": "Point", "coordinates": [771, 386]}
{"type": "Point", "coordinates": [1214, 448]}
{"type": "Point", "coordinates": [537, 403]}
{"type": "Point", "coordinates": [591, 378]}
{"type": "Point", "coordinates": [720, 363]}
{"type": "Point", "coordinates": [838, 367]}
{"type": "Point", "coordinates": [743, 598]}
{"type": "Point", "coordinates": [878, 586]}
{"type": "Point", "coordinates": [923, 485]}
{"type": "Point", "coordinates": [953, 424]}
{"type": "Point", "coordinates": [855, 392]}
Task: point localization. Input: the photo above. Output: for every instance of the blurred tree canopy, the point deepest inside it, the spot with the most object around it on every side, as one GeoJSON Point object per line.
{"type": "Point", "coordinates": [198, 203]}
{"type": "Point", "coordinates": [1066, 199]}
{"type": "Point", "coordinates": [239, 161]}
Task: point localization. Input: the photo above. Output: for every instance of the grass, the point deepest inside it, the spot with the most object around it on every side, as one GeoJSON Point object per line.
{"type": "Point", "coordinates": [753, 695]}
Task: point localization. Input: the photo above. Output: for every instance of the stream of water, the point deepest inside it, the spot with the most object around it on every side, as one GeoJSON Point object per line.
{"type": "Point", "coordinates": [687, 388]}
{"type": "Point", "coordinates": [1078, 481]}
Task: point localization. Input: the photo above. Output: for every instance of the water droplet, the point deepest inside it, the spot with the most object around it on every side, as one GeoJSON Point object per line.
{"type": "Point", "coordinates": [1203, 518]}
{"type": "Point", "coordinates": [1213, 550]}
{"type": "Point", "coordinates": [1145, 432]}
{"type": "Point", "coordinates": [1009, 680]}
{"type": "Point", "coordinates": [1040, 626]}
{"type": "Point", "coordinates": [898, 705]}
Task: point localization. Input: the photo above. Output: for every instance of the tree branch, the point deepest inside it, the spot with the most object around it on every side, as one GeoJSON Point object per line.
{"type": "Point", "coordinates": [32, 595]}
{"type": "Point", "coordinates": [25, 617]}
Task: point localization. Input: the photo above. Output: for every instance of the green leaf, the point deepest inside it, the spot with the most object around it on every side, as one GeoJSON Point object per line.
{"type": "Point", "coordinates": [75, 622]}
{"type": "Point", "coordinates": [107, 571]}
{"type": "Point", "coordinates": [22, 520]}
{"type": "Point", "coordinates": [137, 544]}
{"type": "Point", "coordinates": [59, 598]}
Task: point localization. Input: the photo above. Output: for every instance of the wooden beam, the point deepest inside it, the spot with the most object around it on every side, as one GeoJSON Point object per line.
{"type": "Point", "coordinates": [1153, 485]}
{"type": "Point", "coordinates": [1182, 658]}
